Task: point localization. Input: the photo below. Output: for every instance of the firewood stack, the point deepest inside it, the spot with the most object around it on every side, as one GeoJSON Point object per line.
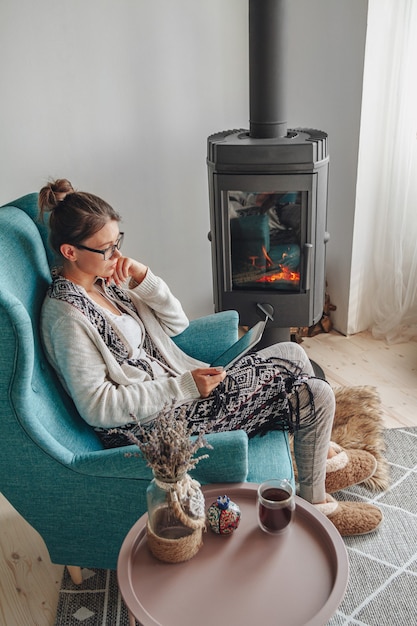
{"type": "Point", "coordinates": [324, 325]}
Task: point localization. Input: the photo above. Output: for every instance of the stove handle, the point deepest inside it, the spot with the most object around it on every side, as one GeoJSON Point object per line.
{"type": "Point", "coordinates": [308, 253]}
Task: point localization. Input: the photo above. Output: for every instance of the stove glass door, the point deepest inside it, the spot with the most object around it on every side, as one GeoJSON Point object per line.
{"type": "Point", "coordinates": [266, 238]}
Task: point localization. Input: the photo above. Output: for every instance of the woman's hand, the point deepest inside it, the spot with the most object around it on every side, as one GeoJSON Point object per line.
{"type": "Point", "coordinates": [126, 268]}
{"type": "Point", "coordinates": [207, 379]}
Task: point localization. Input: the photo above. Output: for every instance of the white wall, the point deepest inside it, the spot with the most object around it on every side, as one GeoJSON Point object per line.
{"type": "Point", "coordinates": [119, 96]}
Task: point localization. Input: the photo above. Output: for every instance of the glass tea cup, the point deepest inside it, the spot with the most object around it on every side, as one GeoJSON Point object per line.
{"type": "Point", "coordinates": [275, 506]}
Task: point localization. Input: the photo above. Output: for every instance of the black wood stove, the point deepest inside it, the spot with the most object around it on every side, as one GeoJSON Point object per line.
{"type": "Point", "coordinates": [268, 197]}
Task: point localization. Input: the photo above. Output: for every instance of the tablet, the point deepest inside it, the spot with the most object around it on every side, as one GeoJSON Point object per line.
{"type": "Point", "coordinates": [241, 347]}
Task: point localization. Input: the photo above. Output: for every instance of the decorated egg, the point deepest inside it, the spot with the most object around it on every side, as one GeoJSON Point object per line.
{"type": "Point", "coordinates": [223, 516]}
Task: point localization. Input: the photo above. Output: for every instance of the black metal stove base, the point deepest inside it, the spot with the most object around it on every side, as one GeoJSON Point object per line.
{"type": "Point", "coordinates": [273, 335]}
{"type": "Point", "coordinates": [318, 370]}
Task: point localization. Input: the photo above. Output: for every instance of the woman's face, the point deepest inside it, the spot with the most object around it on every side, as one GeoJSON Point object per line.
{"type": "Point", "coordinates": [94, 263]}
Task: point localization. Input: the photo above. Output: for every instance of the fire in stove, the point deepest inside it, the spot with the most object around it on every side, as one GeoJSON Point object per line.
{"type": "Point", "coordinates": [281, 274]}
{"type": "Point", "coordinates": [265, 230]}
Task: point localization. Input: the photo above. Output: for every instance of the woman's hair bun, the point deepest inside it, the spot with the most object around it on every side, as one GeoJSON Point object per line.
{"type": "Point", "coordinates": [53, 193]}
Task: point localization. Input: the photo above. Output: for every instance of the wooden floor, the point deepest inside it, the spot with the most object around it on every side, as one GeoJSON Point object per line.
{"type": "Point", "coordinates": [361, 360]}
{"type": "Point", "coordinates": [29, 583]}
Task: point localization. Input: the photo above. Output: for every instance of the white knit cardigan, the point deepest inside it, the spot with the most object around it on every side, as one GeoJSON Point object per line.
{"type": "Point", "coordinates": [105, 393]}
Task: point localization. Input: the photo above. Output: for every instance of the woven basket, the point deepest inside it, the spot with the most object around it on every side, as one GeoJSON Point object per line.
{"type": "Point", "coordinates": [175, 550]}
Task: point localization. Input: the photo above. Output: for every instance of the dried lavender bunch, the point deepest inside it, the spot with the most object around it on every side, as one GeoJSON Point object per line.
{"type": "Point", "coordinates": [167, 446]}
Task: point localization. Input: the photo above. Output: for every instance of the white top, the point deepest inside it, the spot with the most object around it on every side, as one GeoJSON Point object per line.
{"type": "Point", "coordinates": [132, 331]}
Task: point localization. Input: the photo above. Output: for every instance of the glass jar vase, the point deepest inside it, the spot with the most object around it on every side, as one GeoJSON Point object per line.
{"type": "Point", "coordinates": [176, 518]}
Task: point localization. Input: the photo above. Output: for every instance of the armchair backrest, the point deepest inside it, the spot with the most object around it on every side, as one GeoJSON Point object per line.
{"type": "Point", "coordinates": [34, 408]}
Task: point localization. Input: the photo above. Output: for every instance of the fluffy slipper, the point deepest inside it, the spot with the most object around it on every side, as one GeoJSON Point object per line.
{"type": "Point", "coordinates": [351, 518]}
{"type": "Point", "coordinates": [348, 467]}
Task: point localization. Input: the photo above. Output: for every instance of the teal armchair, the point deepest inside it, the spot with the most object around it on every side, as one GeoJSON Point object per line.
{"type": "Point", "coordinates": [81, 498]}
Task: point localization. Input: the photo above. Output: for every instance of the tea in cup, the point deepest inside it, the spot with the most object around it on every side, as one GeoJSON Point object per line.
{"type": "Point", "coordinates": [275, 505]}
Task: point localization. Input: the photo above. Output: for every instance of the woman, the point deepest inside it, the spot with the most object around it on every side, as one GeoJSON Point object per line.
{"type": "Point", "coordinates": [111, 347]}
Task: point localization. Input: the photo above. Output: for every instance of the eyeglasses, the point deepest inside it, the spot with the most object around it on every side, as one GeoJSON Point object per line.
{"type": "Point", "coordinates": [108, 252]}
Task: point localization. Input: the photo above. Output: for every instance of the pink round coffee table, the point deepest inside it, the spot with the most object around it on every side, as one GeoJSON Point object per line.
{"type": "Point", "coordinates": [298, 578]}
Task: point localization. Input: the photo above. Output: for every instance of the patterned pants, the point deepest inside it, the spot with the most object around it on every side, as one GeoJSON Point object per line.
{"type": "Point", "coordinates": [275, 389]}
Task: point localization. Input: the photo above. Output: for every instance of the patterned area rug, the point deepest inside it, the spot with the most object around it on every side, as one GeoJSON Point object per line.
{"type": "Point", "coordinates": [383, 566]}
{"type": "Point", "coordinates": [96, 602]}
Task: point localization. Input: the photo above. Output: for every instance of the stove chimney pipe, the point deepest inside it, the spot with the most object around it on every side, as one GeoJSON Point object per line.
{"type": "Point", "coordinates": [267, 68]}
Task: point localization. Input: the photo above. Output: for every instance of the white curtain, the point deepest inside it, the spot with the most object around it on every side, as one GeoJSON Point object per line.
{"type": "Point", "coordinates": [388, 166]}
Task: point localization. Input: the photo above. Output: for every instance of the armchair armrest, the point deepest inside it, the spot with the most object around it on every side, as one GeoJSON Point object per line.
{"type": "Point", "coordinates": [227, 462]}
{"type": "Point", "coordinates": [207, 337]}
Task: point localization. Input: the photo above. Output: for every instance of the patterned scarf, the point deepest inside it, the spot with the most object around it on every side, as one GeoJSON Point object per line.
{"type": "Point", "coordinates": [63, 289]}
